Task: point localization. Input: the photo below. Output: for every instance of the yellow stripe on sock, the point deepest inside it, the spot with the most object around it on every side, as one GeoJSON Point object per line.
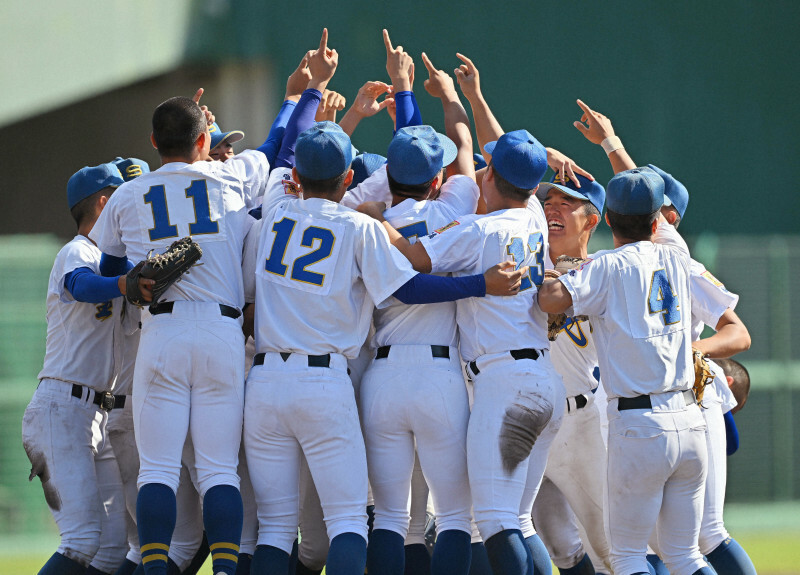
{"type": "Point", "coordinates": [153, 546]}
{"type": "Point", "coordinates": [221, 556]}
{"type": "Point", "coordinates": [216, 546]}
{"type": "Point", "coordinates": [156, 557]}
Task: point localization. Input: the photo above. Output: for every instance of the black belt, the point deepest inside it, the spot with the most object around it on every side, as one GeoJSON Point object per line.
{"type": "Point", "coordinates": [644, 402]}
{"type": "Point", "coordinates": [102, 399]}
{"type": "Point", "coordinates": [441, 351]}
{"type": "Point", "coordinates": [313, 360]}
{"type": "Point", "coordinates": [580, 402]}
{"type": "Point", "coordinates": [166, 307]}
{"type": "Point", "coordinates": [515, 353]}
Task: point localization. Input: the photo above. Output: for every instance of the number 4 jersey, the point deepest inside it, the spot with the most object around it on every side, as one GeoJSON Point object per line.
{"type": "Point", "coordinates": [207, 200]}
{"type": "Point", "coordinates": [321, 269]}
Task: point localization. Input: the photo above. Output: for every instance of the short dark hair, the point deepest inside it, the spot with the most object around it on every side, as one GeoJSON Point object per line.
{"type": "Point", "coordinates": [741, 380]}
{"type": "Point", "coordinates": [590, 209]}
{"type": "Point", "coordinates": [326, 186]}
{"type": "Point", "coordinates": [85, 208]}
{"type": "Point", "coordinates": [636, 228]}
{"type": "Point", "coordinates": [508, 189]}
{"type": "Point", "coordinates": [413, 191]}
{"type": "Point", "coordinates": [177, 123]}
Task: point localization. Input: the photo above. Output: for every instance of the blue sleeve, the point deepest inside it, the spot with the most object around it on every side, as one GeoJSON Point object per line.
{"type": "Point", "coordinates": [88, 287]}
{"type": "Point", "coordinates": [426, 288]}
{"type": "Point", "coordinates": [112, 266]}
{"type": "Point", "coordinates": [731, 434]}
{"type": "Point", "coordinates": [407, 111]}
{"type": "Point", "coordinates": [272, 144]}
{"type": "Point", "coordinates": [302, 119]}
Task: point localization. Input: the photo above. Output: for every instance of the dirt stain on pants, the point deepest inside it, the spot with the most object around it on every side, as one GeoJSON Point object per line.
{"type": "Point", "coordinates": [523, 422]}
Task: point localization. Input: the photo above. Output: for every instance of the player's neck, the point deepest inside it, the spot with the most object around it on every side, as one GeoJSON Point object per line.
{"type": "Point", "coordinates": [619, 241]}
{"type": "Point", "coordinates": [572, 247]}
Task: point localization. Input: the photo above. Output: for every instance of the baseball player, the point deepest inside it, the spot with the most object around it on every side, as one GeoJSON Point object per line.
{"type": "Point", "coordinates": [637, 297]}
{"type": "Point", "coordinates": [519, 400]}
{"type": "Point", "coordinates": [413, 393]}
{"type": "Point", "coordinates": [712, 305]}
{"type": "Point", "coordinates": [198, 322]}
{"type": "Point", "coordinates": [222, 142]}
{"type": "Point", "coordinates": [64, 427]}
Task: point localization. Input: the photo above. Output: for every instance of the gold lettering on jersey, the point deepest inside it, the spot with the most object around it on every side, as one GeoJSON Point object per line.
{"type": "Point", "coordinates": [104, 310]}
{"type": "Point", "coordinates": [712, 279]}
{"type": "Point", "coordinates": [452, 224]}
{"type": "Point", "coordinates": [291, 188]}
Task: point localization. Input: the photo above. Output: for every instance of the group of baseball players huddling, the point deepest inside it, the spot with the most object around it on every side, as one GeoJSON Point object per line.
{"type": "Point", "coordinates": [411, 330]}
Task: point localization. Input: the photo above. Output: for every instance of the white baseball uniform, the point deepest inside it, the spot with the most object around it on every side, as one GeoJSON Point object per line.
{"type": "Point", "coordinates": [189, 374]}
{"type": "Point", "coordinates": [322, 268]}
{"type": "Point", "coordinates": [638, 298]}
{"type": "Point", "coordinates": [64, 427]}
{"type": "Point", "coordinates": [518, 398]}
{"type": "Point", "coordinates": [413, 393]}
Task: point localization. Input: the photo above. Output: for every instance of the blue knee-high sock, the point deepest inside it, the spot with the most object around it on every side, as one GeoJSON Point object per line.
{"type": "Point", "coordinates": [347, 555]}
{"type": "Point", "coordinates": [293, 557]}
{"type": "Point", "coordinates": [452, 553]}
{"type": "Point", "coordinates": [222, 517]}
{"type": "Point", "coordinates": [583, 567]}
{"type": "Point", "coordinates": [508, 553]}
{"type": "Point", "coordinates": [480, 560]}
{"type": "Point", "coordinates": [127, 568]}
{"type": "Point", "coordinates": [155, 521]}
{"type": "Point", "coordinates": [243, 566]}
{"type": "Point", "coordinates": [269, 559]}
{"type": "Point", "coordinates": [58, 564]}
{"type": "Point", "coordinates": [418, 560]}
{"type": "Point", "coordinates": [658, 567]}
{"type": "Point", "coordinates": [94, 571]}
{"type": "Point", "coordinates": [730, 557]}
{"type": "Point", "coordinates": [386, 553]}
{"type": "Point", "coordinates": [541, 558]}
{"type": "Point", "coordinates": [172, 568]}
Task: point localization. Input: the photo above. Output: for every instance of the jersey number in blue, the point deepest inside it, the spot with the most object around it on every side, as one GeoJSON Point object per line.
{"type": "Point", "coordinates": [663, 299]}
{"type": "Point", "coordinates": [516, 249]}
{"type": "Point", "coordinates": [156, 196]}
{"type": "Point", "coordinates": [415, 230]}
{"type": "Point", "coordinates": [283, 233]}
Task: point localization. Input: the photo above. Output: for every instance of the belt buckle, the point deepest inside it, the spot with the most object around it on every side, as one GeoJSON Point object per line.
{"type": "Point", "coordinates": [107, 401]}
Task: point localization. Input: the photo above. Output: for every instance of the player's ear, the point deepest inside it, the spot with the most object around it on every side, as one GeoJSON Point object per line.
{"type": "Point", "coordinates": [607, 222]}
{"type": "Point", "coordinates": [153, 140]}
{"type": "Point", "coordinates": [592, 221]}
{"type": "Point", "coordinates": [295, 176]}
{"type": "Point", "coordinates": [729, 379]}
{"type": "Point", "coordinates": [348, 179]}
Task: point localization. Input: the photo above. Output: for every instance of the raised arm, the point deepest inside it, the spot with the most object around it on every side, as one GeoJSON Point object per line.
{"type": "Point", "coordinates": [440, 85]}
{"type": "Point", "coordinates": [400, 67]}
{"type": "Point", "coordinates": [598, 130]}
{"type": "Point", "coordinates": [366, 104]}
{"type": "Point", "coordinates": [487, 127]}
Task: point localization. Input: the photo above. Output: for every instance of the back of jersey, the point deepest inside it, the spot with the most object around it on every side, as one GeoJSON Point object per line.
{"type": "Point", "coordinates": [495, 324]}
{"type": "Point", "coordinates": [205, 200]}
{"type": "Point", "coordinates": [433, 324]}
{"type": "Point", "coordinates": [321, 270]}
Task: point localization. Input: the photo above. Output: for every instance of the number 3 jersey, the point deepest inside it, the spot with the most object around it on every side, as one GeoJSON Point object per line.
{"type": "Point", "coordinates": [638, 299]}
{"type": "Point", "coordinates": [321, 270]}
{"type": "Point", "coordinates": [473, 244]}
{"type": "Point", "coordinates": [205, 200]}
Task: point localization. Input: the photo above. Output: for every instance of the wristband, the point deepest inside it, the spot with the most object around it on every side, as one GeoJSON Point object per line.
{"type": "Point", "coordinates": [611, 144]}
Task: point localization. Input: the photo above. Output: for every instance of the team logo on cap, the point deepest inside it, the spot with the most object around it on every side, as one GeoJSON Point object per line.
{"type": "Point", "coordinates": [561, 179]}
{"type": "Point", "coordinates": [133, 171]}
{"type": "Point", "coordinates": [212, 128]}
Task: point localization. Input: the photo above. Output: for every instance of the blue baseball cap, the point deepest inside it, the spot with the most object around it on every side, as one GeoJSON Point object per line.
{"type": "Point", "coordinates": [218, 136]}
{"type": "Point", "coordinates": [479, 162]}
{"type": "Point", "coordinates": [364, 165]}
{"type": "Point", "coordinates": [130, 168]}
{"type": "Point", "coordinates": [89, 180]}
{"type": "Point", "coordinates": [323, 151]}
{"type": "Point", "coordinates": [417, 153]}
{"type": "Point", "coordinates": [675, 193]}
{"type": "Point", "coordinates": [519, 158]}
{"type": "Point", "coordinates": [589, 190]}
{"type": "Point", "coordinates": [635, 192]}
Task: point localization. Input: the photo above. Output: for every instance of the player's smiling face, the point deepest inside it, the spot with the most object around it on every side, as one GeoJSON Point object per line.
{"type": "Point", "coordinates": [565, 215]}
{"type": "Point", "coordinates": [222, 152]}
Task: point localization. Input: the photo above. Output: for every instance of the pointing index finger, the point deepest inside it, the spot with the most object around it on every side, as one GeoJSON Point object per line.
{"type": "Point", "coordinates": [197, 95]}
{"type": "Point", "coordinates": [323, 43]}
{"type": "Point", "coordinates": [428, 64]}
{"type": "Point", "coordinates": [466, 61]}
{"type": "Point", "coordinates": [584, 107]}
{"type": "Point", "coordinates": [387, 41]}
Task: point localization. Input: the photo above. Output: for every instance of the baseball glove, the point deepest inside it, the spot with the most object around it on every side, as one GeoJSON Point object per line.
{"type": "Point", "coordinates": [555, 321]}
{"type": "Point", "coordinates": [165, 269]}
{"type": "Point", "coordinates": [703, 375]}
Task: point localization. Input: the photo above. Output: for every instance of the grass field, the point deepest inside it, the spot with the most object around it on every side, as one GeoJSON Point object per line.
{"type": "Point", "coordinates": [770, 534]}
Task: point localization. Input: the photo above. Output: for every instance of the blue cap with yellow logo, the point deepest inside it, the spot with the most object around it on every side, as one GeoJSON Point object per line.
{"type": "Point", "coordinates": [89, 180]}
{"type": "Point", "coordinates": [589, 190]}
{"type": "Point", "coordinates": [130, 168]}
{"type": "Point", "coordinates": [218, 136]}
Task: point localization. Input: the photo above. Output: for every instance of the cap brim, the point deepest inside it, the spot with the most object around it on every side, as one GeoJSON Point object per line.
{"type": "Point", "coordinates": [544, 187]}
{"type": "Point", "coordinates": [489, 148]}
{"type": "Point", "coordinates": [231, 137]}
{"type": "Point", "coordinates": [449, 149]}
